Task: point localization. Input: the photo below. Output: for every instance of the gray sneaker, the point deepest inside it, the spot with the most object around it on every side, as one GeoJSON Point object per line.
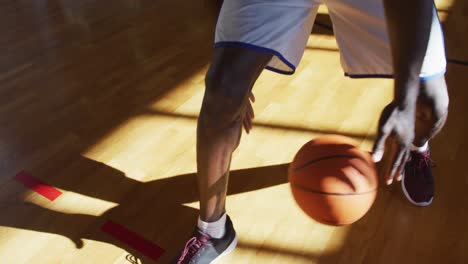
{"type": "Point", "coordinates": [203, 249]}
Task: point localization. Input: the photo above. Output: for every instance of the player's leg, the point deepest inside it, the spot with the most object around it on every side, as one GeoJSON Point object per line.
{"type": "Point", "coordinates": [250, 35]}
{"type": "Point", "coordinates": [228, 84]}
{"type": "Point", "coordinates": [432, 110]}
{"type": "Point", "coordinates": [431, 114]}
{"type": "Point", "coordinates": [361, 33]}
{"type": "Point", "coordinates": [433, 100]}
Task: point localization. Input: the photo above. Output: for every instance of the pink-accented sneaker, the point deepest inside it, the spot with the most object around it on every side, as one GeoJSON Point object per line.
{"type": "Point", "coordinates": [418, 182]}
{"type": "Point", "coordinates": [203, 249]}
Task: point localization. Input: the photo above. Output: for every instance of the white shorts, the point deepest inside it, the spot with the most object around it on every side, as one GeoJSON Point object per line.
{"type": "Point", "coordinates": [282, 28]}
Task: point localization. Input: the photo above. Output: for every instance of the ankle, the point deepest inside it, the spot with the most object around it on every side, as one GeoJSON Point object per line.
{"type": "Point", "coordinates": [212, 216]}
{"type": "Point", "coordinates": [420, 147]}
{"type": "Point", "coordinates": [215, 229]}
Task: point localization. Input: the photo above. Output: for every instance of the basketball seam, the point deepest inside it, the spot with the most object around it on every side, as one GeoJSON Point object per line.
{"type": "Point", "coordinates": [329, 193]}
{"type": "Point", "coordinates": [326, 158]}
{"type": "Point", "coordinates": [330, 222]}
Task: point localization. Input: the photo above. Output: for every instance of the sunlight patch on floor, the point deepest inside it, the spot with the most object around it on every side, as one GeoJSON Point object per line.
{"type": "Point", "coordinates": [279, 230]}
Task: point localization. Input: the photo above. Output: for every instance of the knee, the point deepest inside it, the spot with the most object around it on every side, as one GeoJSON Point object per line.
{"type": "Point", "coordinates": [225, 96]}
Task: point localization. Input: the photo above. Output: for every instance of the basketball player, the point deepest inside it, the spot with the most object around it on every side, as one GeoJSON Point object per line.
{"type": "Point", "coordinates": [255, 34]}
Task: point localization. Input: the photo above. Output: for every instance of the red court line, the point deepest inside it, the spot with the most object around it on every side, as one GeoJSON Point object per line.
{"type": "Point", "coordinates": [132, 239]}
{"type": "Point", "coordinates": [38, 186]}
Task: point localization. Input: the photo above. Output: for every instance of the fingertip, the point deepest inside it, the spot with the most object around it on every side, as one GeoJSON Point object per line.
{"type": "Point", "coordinates": [377, 156]}
{"type": "Point", "coordinates": [389, 181]}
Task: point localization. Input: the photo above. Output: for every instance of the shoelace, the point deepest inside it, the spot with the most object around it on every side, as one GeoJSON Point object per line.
{"type": "Point", "coordinates": [426, 160]}
{"type": "Point", "coordinates": [422, 161]}
{"type": "Point", "coordinates": [193, 245]}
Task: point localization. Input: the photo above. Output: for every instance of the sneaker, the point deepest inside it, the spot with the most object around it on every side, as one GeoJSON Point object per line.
{"type": "Point", "coordinates": [418, 182]}
{"type": "Point", "coordinates": [203, 249]}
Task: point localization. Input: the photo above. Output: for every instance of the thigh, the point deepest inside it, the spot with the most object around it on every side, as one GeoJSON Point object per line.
{"type": "Point", "coordinates": [433, 95]}
{"type": "Point", "coordinates": [432, 109]}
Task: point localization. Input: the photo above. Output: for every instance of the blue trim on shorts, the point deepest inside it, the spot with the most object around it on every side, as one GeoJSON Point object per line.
{"type": "Point", "coordinates": [261, 49]}
{"type": "Point", "coordinates": [433, 76]}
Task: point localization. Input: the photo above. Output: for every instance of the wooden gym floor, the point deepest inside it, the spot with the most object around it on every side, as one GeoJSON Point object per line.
{"type": "Point", "coordinates": [100, 101]}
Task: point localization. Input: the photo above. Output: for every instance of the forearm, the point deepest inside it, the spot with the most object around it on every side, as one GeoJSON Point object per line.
{"type": "Point", "coordinates": [409, 26]}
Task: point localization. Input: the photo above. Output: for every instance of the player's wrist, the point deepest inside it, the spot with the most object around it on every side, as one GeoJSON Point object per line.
{"type": "Point", "coordinates": [406, 94]}
{"type": "Point", "coordinates": [405, 105]}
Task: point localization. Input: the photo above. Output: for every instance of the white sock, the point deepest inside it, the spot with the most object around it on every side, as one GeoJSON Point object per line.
{"type": "Point", "coordinates": [215, 229]}
{"type": "Point", "coordinates": [420, 149]}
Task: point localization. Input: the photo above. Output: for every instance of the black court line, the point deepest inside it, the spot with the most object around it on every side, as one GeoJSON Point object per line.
{"type": "Point", "coordinates": [459, 62]}
{"type": "Point", "coordinates": [323, 25]}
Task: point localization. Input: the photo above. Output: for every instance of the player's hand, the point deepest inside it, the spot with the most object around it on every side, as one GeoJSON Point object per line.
{"type": "Point", "coordinates": [249, 114]}
{"type": "Point", "coordinates": [397, 123]}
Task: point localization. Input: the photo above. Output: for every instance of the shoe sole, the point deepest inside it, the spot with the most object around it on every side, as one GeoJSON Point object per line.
{"type": "Point", "coordinates": [421, 204]}
{"type": "Point", "coordinates": [228, 250]}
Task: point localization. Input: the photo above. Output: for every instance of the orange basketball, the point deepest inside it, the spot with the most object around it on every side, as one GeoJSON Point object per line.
{"type": "Point", "coordinates": [333, 181]}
